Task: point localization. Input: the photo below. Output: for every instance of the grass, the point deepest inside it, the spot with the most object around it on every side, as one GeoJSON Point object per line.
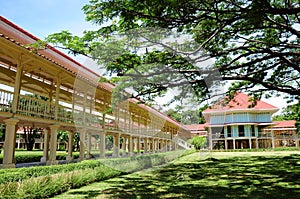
{"type": "Point", "coordinates": [47, 181]}
{"type": "Point", "coordinates": [269, 174]}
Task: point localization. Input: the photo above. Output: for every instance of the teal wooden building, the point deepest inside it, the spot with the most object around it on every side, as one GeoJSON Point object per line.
{"type": "Point", "coordinates": [239, 124]}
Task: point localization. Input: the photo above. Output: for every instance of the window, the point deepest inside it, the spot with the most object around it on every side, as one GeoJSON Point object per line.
{"type": "Point", "coordinates": [253, 130]}
{"type": "Point", "coordinates": [228, 131]}
{"type": "Point", "coordinates": [241, 131]}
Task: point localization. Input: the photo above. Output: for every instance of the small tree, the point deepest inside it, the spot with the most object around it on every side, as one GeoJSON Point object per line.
{"type": "Point", "coordinates": [198, 142]}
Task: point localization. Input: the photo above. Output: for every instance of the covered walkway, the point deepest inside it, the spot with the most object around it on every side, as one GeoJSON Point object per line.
{"type": "Point", "coordinates": [47, 89]}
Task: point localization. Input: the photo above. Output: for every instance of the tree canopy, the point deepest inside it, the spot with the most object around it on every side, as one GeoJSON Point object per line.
{"type": "Point", "coordinates": [253, 44]}
{"type": "Point", "coordinates": [291, 112]}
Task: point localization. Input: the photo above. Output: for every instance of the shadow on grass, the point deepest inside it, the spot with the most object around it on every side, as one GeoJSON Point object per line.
{"type": "Point", "coordinates": [239, 177]}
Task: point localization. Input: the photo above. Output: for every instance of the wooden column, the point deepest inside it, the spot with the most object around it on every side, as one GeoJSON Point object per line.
{"type": "Point", "coordinates": [210, 143]}
{"type": "Point", "coordinates": [124, 145]}
{"type": "Point", "coordinates": [130, 145]}
{"type": "Point", "coordinates": [9, 143]}
{"type": "Point", "coordinates": [82, 135]}
{"type": "Point", "coordinates": [89, 146]}
{"type": "Point", "coordinates": [45, 157]}
{"type": "Point", "coordinates": [70, 146]}
{"type": "Point", "coordinates": [57, 91]}
{"type": "Point", "coordinates": [153, 145]}
{"type": "Point", "coordinates": [145, 145]}
{"type": "Point", "coordinates": [116, 145]}
{"type": "Point", "coordinates": [233, 143]}
{"type": "Point", "coordinates": [53, 144]}
{"type": "Point", "coordinates": [17, 86]}
{"type": "Point", "coordinates": [273, 139]}
{"type": "Point", "coordinates": [139, 145]}
{"type": "Point", "coordinates": [102, 145]}
{"type": "Point", "coordinates": [250, 143]}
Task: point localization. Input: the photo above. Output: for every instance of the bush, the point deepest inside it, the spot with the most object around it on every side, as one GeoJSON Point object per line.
{"type": "Point", "coordinates": [47, 181]}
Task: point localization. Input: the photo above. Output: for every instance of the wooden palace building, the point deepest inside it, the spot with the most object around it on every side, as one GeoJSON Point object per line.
{"type": "Point", "coordinates": [237, 124]}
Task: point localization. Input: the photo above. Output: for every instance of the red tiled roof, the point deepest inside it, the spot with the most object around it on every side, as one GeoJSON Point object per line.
{"type": "Point", "coordinates": [240, 101]}
{"type": "Point", "coordinates": [286, 123]}
{"type": "Point", "coordinates": [196, 127]}
{"type": "Point", "coordinates": [21, 37]}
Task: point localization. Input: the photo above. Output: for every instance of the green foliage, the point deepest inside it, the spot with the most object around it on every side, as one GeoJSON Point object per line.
{"type": "Point", "coordinates": [35, 156]}
{"type": "Point", "coordinates": [198, 142]}
{"type": "Point", "coordinates": [207, 175]}
{"type": "Point", "coordinates": [291, 112]}
{"type": "Point", "coordinates": [187, 116]}
{"type": "Point", "coordinates": [253, 43]}
{"type": "Point", "coordinates": [47, 181]}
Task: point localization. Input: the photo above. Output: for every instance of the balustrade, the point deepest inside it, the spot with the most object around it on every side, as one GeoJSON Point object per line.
{"type": "Point", "coordinates": [34, 106]}
{"type": "Point", "coordinates": [30, 106]}
{"type": "Point", "coordinates": [6, 98]}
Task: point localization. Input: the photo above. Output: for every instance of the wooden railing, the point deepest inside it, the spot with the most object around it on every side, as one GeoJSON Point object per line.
{"type": "Point", "coordinates": [184, 144]}
{"type": "Point", "coordinates": [32, 106]}
{"type": "Point", "coordinates": [6, 98]}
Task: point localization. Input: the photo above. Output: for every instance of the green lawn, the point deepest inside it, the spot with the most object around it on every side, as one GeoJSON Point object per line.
{"type": "Point", "coordinates": [207, 175]}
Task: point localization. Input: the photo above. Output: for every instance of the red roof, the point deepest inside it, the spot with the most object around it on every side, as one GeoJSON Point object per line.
{"type": "Point", "coordinates": [22, 37]}
{"type": "Point", "coordinates": [240, 101]}
{"type": "Point", "coordinates": [196, 127]}
{"type": "Point", "coordinates": [286, 123]}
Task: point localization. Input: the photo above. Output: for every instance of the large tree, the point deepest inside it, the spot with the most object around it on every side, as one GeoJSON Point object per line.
{"type": "Point", "coordinates": [254, 44]}
{"type": "Point", "coordinates": [291, 112]}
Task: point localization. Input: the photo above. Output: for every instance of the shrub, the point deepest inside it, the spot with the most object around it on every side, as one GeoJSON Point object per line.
{"type": "Point", "coordinates": [46, 181]}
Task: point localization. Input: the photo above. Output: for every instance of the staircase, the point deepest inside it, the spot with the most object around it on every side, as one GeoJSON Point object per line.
{"type": "Point", "coordinates": [182, 143]}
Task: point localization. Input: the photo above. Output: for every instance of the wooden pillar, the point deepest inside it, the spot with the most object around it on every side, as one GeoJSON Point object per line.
{"type": "Point", "coordinates": [233, 143]}
{"type": "Point", "coordinates": [166, 146]}
{"type": "Point", "coordinates": [153, 145]}
{"type": "Point", "coordinates": [116, 145]}
{"type": "Point", "coordinates": [162, 145]}
{"type": "Point", "coordinates": [82, 135]}
{"type": "Point", "coordinates": [226, 144]}
{"type": "Point", "coordinates": [273, 139]}
{"type": "Point", "coordinates": [57, 91]}
{"type": "Point", "coordinates": [9, 143]}
{"type": "Point", "coordinates": [139, 145]}
{"type": "Point", "coordinates": [124, 146]}
{"type": "Point", "coordinates": [135, 144]}
{"type": "Point", "coordinates": [145, 145]}
{"type": "Point", "coordinates": [89, 146]}
{"type": "Point", "coordinates": [158, 145]}
{"type": "Point", "coordinates": [17, 86]}
{"type": "Point", "coordinates": [250, 143]}
{"type": "Point", "coordinates": [210, 143]}
{"type": "Point", "coordinates": [102, 145]}
{"type": "Point", "coordinates": [53, 145]}
{"type": "Point", "coordinates": [45, 157]}
{"type": "Point", "coordinates": [130, 145]}
{"type": "Point", "coordinates": [70, 146]}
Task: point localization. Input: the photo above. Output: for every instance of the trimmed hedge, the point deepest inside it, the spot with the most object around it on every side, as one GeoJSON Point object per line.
{"type": "Point", "coordinates": [259, 149]}
{"type": "Point", "coordinates": [47, 181]}
{"type": "Point", "coordinates": [36, 157]}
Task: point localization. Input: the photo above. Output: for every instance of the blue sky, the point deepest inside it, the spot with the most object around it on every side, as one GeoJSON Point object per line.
{"type": "Point", "coordinates": [42, 17]}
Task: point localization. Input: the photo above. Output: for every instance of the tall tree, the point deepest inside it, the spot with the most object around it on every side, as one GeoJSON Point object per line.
{"type": "Point", "coordinates": [255, 43]}
{"type": "Point", "coordinates": [291, 112]}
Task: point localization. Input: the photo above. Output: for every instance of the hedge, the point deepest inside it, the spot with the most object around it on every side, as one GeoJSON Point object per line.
{"type": "Point", "coordinates": [47, 181]}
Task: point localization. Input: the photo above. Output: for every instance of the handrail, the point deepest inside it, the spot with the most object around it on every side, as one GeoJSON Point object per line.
{"type": "Point", "coordinates": [43, 108]}
{"type": "Point", "coordinates": [6, 98]}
